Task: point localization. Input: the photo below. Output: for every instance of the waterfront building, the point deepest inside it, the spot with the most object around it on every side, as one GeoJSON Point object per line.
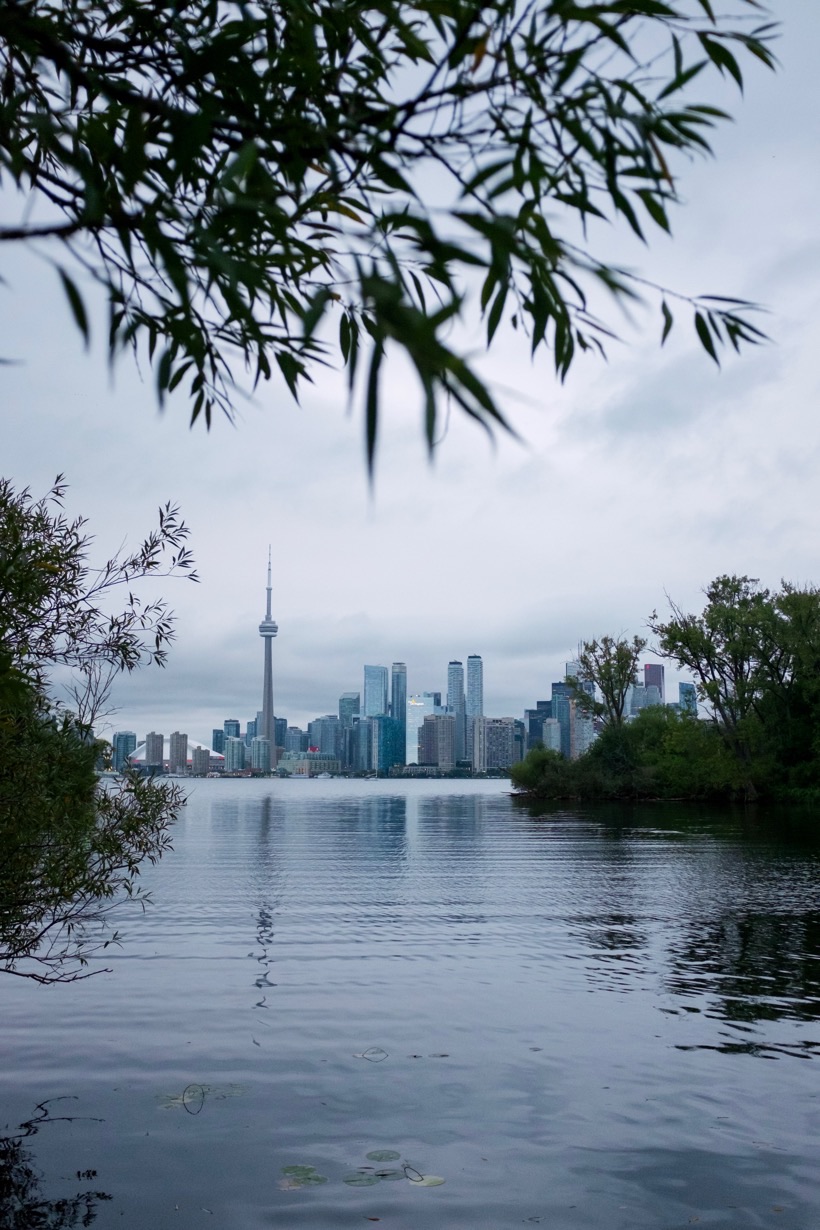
{"type": "Point", "coordinates": [456, 703]}
{"type": "Point", "coordinates": [437, 741]}
{"type": "Point", "coordinates": [359, 744]}
{"type": "Point", "coordinates": [653, 695]}
{"type": "Point", "coordinates": [688, 698]}
{"type": "Point", "coordinates": [534, 722]}
{"type": "Point", "coordinates": [419, 706]}
{"type": "Point", "coordinates": [231, 728]}
{"type": "Point", "coordinates": [154, 751]}
{"type": "Point", "coordinates": [296, 739]}
{"type": "Point", "coordinates": [349, 707]}
{"type": "Point", "coordinates": [178, 753]}
{"type": "Point", "coordinates": [200, 761]}
{"type": "Point", "coordinates": [234, 754]}
{"type": "Point", "coordinates": [123, 743]}
{"type": "Point", "coordinates": [250, 732]}
{"type": "Point", "coordinates": [307, 764]}
{"type": "Point", "coordinates": [261, 755]}
{"type": "Point", "coordinates": [495, 744]}
{"type": "Point", "coordinates": [474, 701]}
{"type": "Point", "coordinates": [268, 629]}
{"type": "Point", "coordinates": [653, 678]}
{"type": "Point", "coordinates": [398, 705]}
{"type": "Point", "coordinates": [218, 740]}
{"type": "Point", "coordinates": [388, 743]}
{"type": "Point", "coordinates": [583, 731]}
{"type": "Point", "coordinates": [280, 728]}
{"type": "Point", "coordinates": [375, 691]}
{"type": "Point", "coordinates": [475, 686]}
{"type": "Point", "coordinates": [551, 734]}
{"type": "Point", "coordinates": [561, 696]}
{"type": "Point", "coordinates": [325, 734]}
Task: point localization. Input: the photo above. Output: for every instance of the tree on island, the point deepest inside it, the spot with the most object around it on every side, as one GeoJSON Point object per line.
{"type": "Point", "coordinates": [611, 664]}
{"type": "Point", "coordinates": [755, 656]}
{"type": "Point", "coordinates": [246, 183]}
{"type": "Point", "coordinates": [70, 848]}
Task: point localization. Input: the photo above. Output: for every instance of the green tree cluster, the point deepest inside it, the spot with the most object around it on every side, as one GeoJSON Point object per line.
{"type": "Point", "coordinates": [70, 848]}
{"type": "Point", "coordinates": [270, 187]}
{"type": "Point", "coordinates": [755, 657]}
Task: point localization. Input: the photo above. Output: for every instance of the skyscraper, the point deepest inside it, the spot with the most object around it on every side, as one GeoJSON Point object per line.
{"type": "Point", "coordinates": [653, 678]}
{"type": "Point", "coordinates": [475, 702]}
{"type": "Point", "coordinates": [456, 705]}
{"type": "Point", "coordinates": [349, 706]}
{"type": "Point", "coordinates": [178, 752]}
{"type": "Point", "coordinates": [154, 751]}
{"type": "Point", "coordinates": [475, 686]}
{"type": "Point", "coordinates": [375, 691]}
{"type": "Point", "coordinates": [123, 744]}
{"type": "Point", "coordinates": [267, 630]}
{"type": "Point", "coordinates": [419, 706]}
{"type": "Point", "coordinates": [398, 705]}
{"type": "Point", "coordinates": [688, 698]}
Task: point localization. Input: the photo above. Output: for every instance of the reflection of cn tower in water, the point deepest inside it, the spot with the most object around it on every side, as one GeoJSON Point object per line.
{"type": "Point", "coordinates": [268, 630]}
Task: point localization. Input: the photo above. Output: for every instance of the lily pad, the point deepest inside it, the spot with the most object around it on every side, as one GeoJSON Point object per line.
{"type": "Point", "coordinates": [360, 1180]}
{"type": "Point", "coordinates": [300, 1176]}
{"type": "Point", "coordinates": [429, 1180]}
{"type": "Point", "coordinates": [390, 1174]}
{"type": "Point", "coordinates": [383, 1155]}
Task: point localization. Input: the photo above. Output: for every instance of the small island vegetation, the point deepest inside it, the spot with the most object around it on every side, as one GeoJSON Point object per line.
{"type": "Point", "coordinates": [755, 658]}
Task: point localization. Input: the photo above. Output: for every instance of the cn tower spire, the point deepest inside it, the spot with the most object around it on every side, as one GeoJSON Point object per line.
{"type": "Point", "coordinates": [267, 630]}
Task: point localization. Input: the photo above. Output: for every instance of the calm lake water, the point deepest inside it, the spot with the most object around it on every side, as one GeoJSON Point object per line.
{"type": "Point", "coordinates": [607, 1018]}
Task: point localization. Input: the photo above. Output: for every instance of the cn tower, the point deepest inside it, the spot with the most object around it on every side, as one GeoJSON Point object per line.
{"type": "Point", "coordinates": [267, 630]}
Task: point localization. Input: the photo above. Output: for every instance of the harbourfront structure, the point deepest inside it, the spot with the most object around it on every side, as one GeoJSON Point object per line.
{"type": "Point", "coordinates": [268, 630]}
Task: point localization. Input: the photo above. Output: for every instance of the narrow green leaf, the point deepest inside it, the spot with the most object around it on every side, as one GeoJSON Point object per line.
{"type": "Point", "coordinates": [76, 304]}
{"type": "Point", "coordinates": [706, 340]}
{"type": "Point", "coordinates": [668, 321]}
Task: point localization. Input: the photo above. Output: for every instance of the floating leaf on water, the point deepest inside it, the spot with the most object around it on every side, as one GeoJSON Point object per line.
{"type": "Point", "coordinates": [374, 1054]}
{"type": "Point", "coordinates": [191, 1098]}
{"type": "Point", "coordinates": [300, 1176]}
{"type": "Point", "coordinates": [430, 1180]}
{"type": "Point", "coordinates": [383, 1155]}
{"type": "Point", "coordinates": [390, 1174]}
{"type": "Point", "coordinates": [360, 1180]}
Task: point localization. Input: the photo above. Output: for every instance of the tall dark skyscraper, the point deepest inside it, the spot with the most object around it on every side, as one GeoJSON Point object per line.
{"type": "Point", "coordinates": [398, 704]}
{"type": "Point", "coordinates": [267, 630]}
{"type": "Point", "coordinates": [653, 677]}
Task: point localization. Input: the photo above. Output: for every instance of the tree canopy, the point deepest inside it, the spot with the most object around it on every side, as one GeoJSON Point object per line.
{"type": "Point", "coordinates": [611, 665]}
{"type": "Point", "coordinates": [271, 187]}
{"type": "Point", "coordinates": [755, 657]}
{"type": "Point", "coordinates": [70, 847]}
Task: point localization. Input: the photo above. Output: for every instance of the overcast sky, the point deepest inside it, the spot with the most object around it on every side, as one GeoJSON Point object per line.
{"type": "Point", "coordinates": [646, 475]}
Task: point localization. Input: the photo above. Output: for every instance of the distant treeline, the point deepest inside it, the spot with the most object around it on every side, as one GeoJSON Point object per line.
{"type": "Point", "coordinates": [755, 656]}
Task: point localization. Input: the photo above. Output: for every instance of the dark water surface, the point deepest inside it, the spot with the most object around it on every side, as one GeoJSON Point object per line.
{"type": "Point", "coordinates": [600, 1019]}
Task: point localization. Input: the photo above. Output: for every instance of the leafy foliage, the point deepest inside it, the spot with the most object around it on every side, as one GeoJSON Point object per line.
{"type": "Point", "coordinates": [755, 656]}
{"type": "Point", "coordinates": [70, 848]}
{"type": "Point", "coordinates": [55, 609]}
{"type": "Point", "coordinates": [243, 179]}
{"type": "Point", "coordinates": [611, 665]}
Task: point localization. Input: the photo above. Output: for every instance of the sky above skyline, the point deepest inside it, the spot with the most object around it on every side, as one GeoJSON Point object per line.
{"type": "Point", "coordinates": [640, 477]}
